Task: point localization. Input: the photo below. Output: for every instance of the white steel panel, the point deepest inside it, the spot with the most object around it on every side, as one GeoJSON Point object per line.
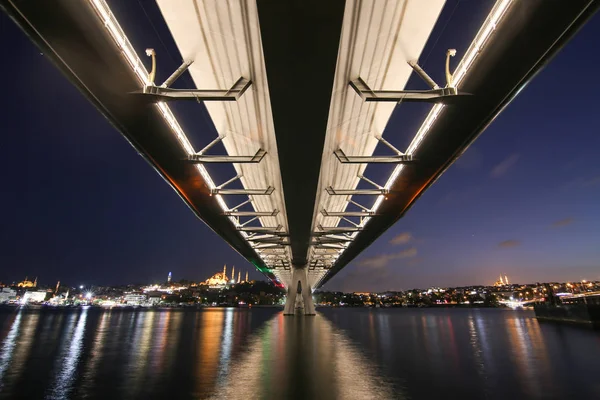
{"type": "Point", "coordinates": [378, 39]}
{"type": "Point", "coordinates": [223, 39]}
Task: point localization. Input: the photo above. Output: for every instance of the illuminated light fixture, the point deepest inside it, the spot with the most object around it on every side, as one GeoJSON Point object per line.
{"type": "Point", "coordinates": [118, 35]}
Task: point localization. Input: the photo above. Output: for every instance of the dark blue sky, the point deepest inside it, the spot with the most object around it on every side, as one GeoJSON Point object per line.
{"type": "Point", "coordinates": [79, 205]}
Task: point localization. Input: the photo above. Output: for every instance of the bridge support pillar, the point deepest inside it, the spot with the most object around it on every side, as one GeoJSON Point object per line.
{"type": "Point", "coordinates": [299, 288]}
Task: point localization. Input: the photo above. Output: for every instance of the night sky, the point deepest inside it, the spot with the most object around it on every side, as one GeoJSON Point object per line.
{"type": "Point", "coordinates": [79, 205]}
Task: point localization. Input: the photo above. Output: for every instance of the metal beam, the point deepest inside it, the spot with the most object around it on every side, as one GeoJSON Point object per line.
{"type": "Point", "coordinates": [272, 232]}
{"type": "Point", "coordinates": [250, 192]}
{"type": "Point", "coordinates": [348, 213]}
{"type": "Point", "coordinates": [351, 192]}
{"type": "Point", "coordinates": [264, 245]}
{"type": "Point", "coordinates": [276, 240]}
{"type": "Point", "coordinates": [339, 229]}
{"type": "Point", "coordinates": [205, 159]}
{"type": "Point", "coordinates": [178, 72]}
{"type": "Point", "coordinates": [159, 93]}
{"type": "Point", "coordinates": [392, 159]}
{"type": "Point", "coordinates": [329, 240]}
{"type": "Point", "coordinates": [252, 213]}
{"type": "Point", "coordinates": [444, 95]}
{"type": "Point", "coordinates": [330, 246]}
{"type": "Point", "coordinates": [261, 229]}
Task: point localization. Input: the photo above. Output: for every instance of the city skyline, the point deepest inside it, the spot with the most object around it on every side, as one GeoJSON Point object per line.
{"type": "Point", "coordinates": [521, 201]}
{"type": "Point", "coordinates": [503, 281]}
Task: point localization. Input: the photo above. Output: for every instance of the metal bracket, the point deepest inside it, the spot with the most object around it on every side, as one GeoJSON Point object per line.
{"type": "Point", "coordinates": [272, 240]}
{"type": "Point", "coordinates": [204, 159]}
{"type": "Point", "coordinates": [330, 246]}
{"type": "Point", "coordinates": [265, 245]}
{"type": "Point", "coordinates": [251, 213]}
{"type": "Point", "coordinates": [394, 159]}
{"type": "Point", "coordinates": [250, 192]}
{"type": "Point", "coordinates": [329, 241]}
{"type": "Point", "coordinates": [339, 229]}
{"type": "Point", "coordinates": [348, 213]}
{"type": "Point", "coordinates": [261, 229]}
{"type": "Point", "coordinates": [235, 178]}
{"type": "Point", "coordinates": [440, 95]}
{"type": "Point", "coordinates": [163, 93]}
{"type": "Point", "coordinates": [355, 192]}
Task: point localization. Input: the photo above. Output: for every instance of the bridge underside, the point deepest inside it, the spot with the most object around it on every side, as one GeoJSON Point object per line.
{"type": "Point", "coordinates": [300, 94]}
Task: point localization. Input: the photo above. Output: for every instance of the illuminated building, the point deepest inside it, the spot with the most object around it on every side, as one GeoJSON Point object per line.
{"type": "Point", "coordinates": [218, 280]}
{"type": "Point", "coordinates": [233, 274]}
{"type": "Point", "coordinates": [34, 297]}
{"type": "Point", "coordinates": [239, 276]}
{"type": "Point", "coordinates": [246, 277]}
{"type": "Point", "coordinates": [27, 283]}
{"type": "Point", "coordinates": [134, 299]}
{"type": "Point", "coordinates": [169, 278]}
{"type": "Point", "coordinates": [7, 294]}
{"type": "Point", "coordinates": [502, 281]}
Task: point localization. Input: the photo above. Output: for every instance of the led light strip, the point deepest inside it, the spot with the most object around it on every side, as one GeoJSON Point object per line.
{"type": "Point", "coordinates": [136, 64]}
{"type": "Point", "coordinates": [485, 32]}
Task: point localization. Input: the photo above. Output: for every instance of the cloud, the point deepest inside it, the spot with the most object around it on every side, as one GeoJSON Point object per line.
{"type": "Point", "coordinates": [401, 238]}
{"type": "Point", "coordinates": [563, 222]}
{"type": "Point", "coordinates": [582, 183]}
{"type": "Point", "coordinates": [381, 260]}
{"type": "Point", "coordinates": [459, 197]}
{"type": "Point", "coordinates": [470, 159]}
{"type": "Point", "coordinates": [501, 169]}
{"type": "Point", "coordinates": [509, 243]}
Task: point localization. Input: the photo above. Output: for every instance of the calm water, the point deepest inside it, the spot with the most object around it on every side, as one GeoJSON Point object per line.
{"type": "Point", "coordinates": [340, 353]}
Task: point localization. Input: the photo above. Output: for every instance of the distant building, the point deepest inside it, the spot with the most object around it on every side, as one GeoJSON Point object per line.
{"type": "Point", "coordinates": [34, 297]}
{"type": "Point", "coordinates": [218, 280]}
{"type": "Point", "coordinates": [7, 294]}
{"type": "Point", "coordinates": [27, 283]}
{"type": "Point", "coordinates": [502, 281]}
{"type": "Point", "coordinates": [169, 278]}
{"type": "Point", "coordinates": [134, 299]}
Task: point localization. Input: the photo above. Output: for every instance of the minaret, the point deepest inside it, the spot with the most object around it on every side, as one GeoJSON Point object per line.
{"type": "Point", "coordinates": [501, 280]}
{"type": "Point", "coordinates": [169, 278]}
{"type": "Point", "coordinates": [35, 282]}
{"type": "Point", "coordinates": [246, 277]}
{"type": "Point", "coordinates": [57, 286]}
{"type": "Point", "coordinates": [506, 279]}
{"type": "Point", "coordinates": [233, 273]}
{"type": "Point", "coordinates": [224, 271]}
{"type": "Point", "coordinates": [239, 276]}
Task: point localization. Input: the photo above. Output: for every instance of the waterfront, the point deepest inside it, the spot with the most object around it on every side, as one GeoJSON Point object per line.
{"type": "Point", "coordinates": [340, 353]}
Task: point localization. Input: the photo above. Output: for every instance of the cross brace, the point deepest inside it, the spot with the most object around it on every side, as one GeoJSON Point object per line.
{"type": "Point", "coordinates": [252, 192]}
{"type": "Point", "coordinates": [205, 159]}
{"type": "Point", "coordinates": [159, 93]}
{"type": "Point", "coordinates": [345, 192]}
{"type": "Point", "coordinates": [441, 95]}
{"type": "Point", "coordinates": [393, 159]}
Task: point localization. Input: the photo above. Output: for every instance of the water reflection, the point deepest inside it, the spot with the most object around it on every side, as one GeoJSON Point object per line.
{"type": "Point", "coordinates": [8, 346]}
{"type": "Point", "coordinates": [345, 354]}
{"type": "Point", "coordinates": [299, 357]}
{"type": "Point", "coordinates": [68, 362]}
